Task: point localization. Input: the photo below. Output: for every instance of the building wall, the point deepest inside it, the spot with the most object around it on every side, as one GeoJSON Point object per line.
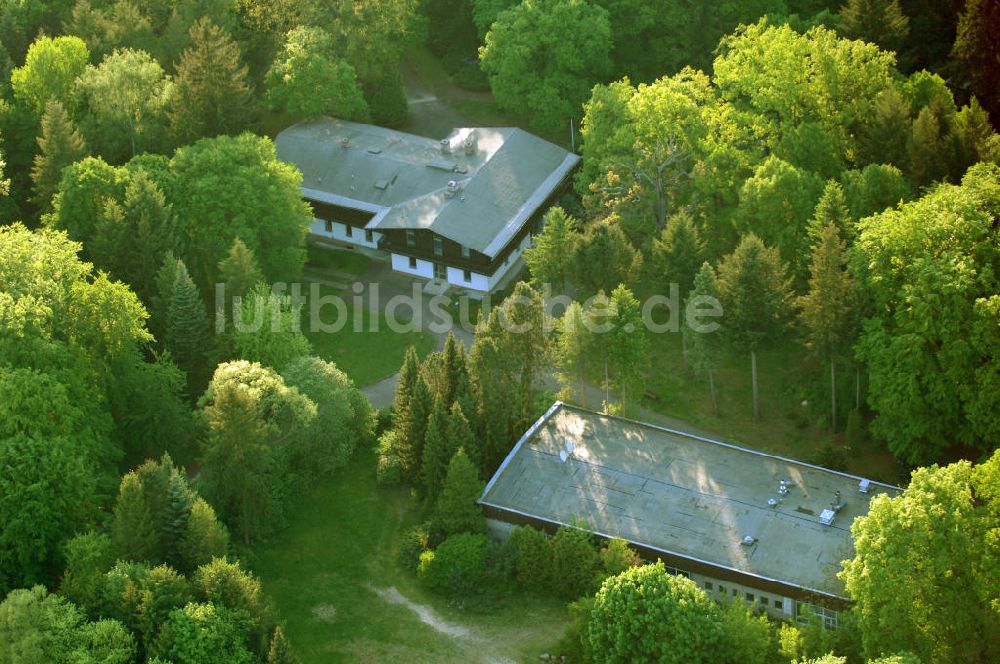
{"type": "Point", "coordinates": [486, 283]}
{"type": "Point", "coordinates": [338, 231]}
{"type": "Point", "coordinates": [423, 269]}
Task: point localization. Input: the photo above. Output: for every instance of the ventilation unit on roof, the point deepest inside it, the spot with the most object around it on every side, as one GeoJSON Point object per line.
{"type": "Point", "coordinates": [345, 142]}
{"type": "Point", "coordinates": [863, 486]}
{"type": "Point", "coordinates": [469, 145]}
{"type": "Point", "coordinates": [826, 517]}
{"type": "Point", "coordinates": [783, 487]}
{"type": "Point", "coordinates": [451, 189]}
{"type": "Point", "coordinates": [445, 146]}
{"type": "Point", "coordinates": [748, 541]}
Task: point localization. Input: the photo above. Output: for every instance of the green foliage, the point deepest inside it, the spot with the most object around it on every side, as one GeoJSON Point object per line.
{"type": "Point", "coordinates": [309, 80]}
{"type": "Point", "coordinates": [204, 537]}
{"type": "Point", "coordinates": [239, 270]}
{"type": "Point", "coordinates": [211, 93]}
{"type": "Point", "coordinates": [411, 545]}
{"type": "Point", "coordinates": [38, 627]}
{"type": "Point", "coordinates": [975, 45]}
{"type": "Point", "coordinates": [456, 510]}
{"type": "Point", "coordinates": [268, 330]}
{"type": "Point", "coordinates": [573, 349]}
{"type": "Point", "coordinates": [235, 186]}
{"type": "Point", "coordinates": [755, 292]}
{"type": "Point", "coordinates": [626, 343]}
{"type": "Point", "coordinates": [880, 22]}
{"type": "Point", "coordinates": [280, 652]}
{"type": "Point", "coordinates": [855, 432]}
{"type": "Point", "coordinates": [929, 340]}
{"type": "Point", "coordinates": [617, 556]}
{"type": "Point", "coordinates": [703, 347]}
{"type": "Point", "coordinates": [677, 254]}
{"type": "Point", "coordinates": [437, 451]}
{"type": "Point", "coordinates": [187, 332]}
{"type": "Point", "coordinates": [574, 563]}
{"type": "Point", "coordinates": [572, 38]}
{"type": "Point", "coordinates": [59, 145]}
{"type": "Point", "coordinates": [924, 571]}
{"type": "Point", "coordinates": [647, 614]}
{"type": "Point", "coordinates": [532, 558]}
{"type": "Point", "coordinates": [874, 188]}
{"type": "Point", "coordinates": [391, 466]}
{"type": "Point", "coordinates": [84, 191]}
{"type": "Point", "coordinates": [457, 567]}
{"type": "Point", "coordinates": [205, 633]}
{"type": "Point", "coordinates": [122, 105]}
{"type": "Point", "coordinates": [605, 258]}
{"type": "Point", "coordinates": [550, 254]}
{"type": "Point", "coordinates": [161, 591]}
{"type": "Point", "coordinates": [88, 557]}
{"type": "Point", "coordinates": [50, 69]}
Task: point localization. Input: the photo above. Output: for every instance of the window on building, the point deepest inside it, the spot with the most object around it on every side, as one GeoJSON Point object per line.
{"type": "Point", "coordinates": [328, 225]}
{"type": "Point", "coordinates": [749, 597]}
{"type": "Point", "coordinates": [735, 592]}
{"type": "Point", "coordinates": [763, 601]}
{"type": "Point", "coordinates": [411, 238]}
{"type": "Point", "coordinates": [829, 617]}
{"type": "Point", "coordinates": [438, 246]}
{"type": "Point", "coordinates": [722, 590]}
{"type": "Point", "coordinates": [413, 263]}
{"type": "Point", "coordinates": [708, 585]}
{"type": "Point", "coordinates": [369, 235]}
{"type": "Point", "coordinates": [778, 605]}
{"type": "Point", "coordinates": [467, 275]}
{"type": "Point", "coordinates": [349, 230]}
{"type": "Point", "coordinates": [465, 251]}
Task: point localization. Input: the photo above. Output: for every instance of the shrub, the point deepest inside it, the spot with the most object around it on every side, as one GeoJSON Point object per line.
{"type": "Point", "coordinates": [411, 546]}
{"type": "Point", "coordinates": [390, 468]}
{"type": "Point", "coordinates": [575, 643]}
{"type": "Point", "coordinates": [457, 567]}
{"type": "Point", "coordinates": [574, 563]}
{"type": "Point", "coordinates": [617, 556]}
{"type": "Point", "coordinates": [532, 561]}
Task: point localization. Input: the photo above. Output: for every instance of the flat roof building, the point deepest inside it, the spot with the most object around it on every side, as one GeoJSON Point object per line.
{"type": "Point", "coordinates": [742, 523]}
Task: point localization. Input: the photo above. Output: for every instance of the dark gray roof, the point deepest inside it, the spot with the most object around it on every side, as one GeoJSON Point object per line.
{"type": "Point", "coordinates": [404, 179]}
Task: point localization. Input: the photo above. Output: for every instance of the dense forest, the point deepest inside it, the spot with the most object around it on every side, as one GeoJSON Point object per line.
{"type": "Point", "coordinates": [829, 171]}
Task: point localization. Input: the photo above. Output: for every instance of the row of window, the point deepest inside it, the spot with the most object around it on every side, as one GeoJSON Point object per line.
{"type": "Point", "coordinates": [466, 274]}
{"type": "Point", "coordinates": [349, 231]}
{"type": "Point", "coordinates": [764, 601]}
{"type": "Point", "coordinates": [411, 241]}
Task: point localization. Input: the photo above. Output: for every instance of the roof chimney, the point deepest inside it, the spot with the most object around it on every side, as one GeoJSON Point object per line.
{"type": "Point", "coordinates": [445, 146]}
{"type": "Point", "coordinates": [345, 142]}
{"type": "Point", "coordinates": [450, 190]}
{"type": "Point", "coordinates": [469, 145]}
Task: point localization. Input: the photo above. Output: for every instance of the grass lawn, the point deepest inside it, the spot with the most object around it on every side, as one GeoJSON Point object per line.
{"type": "Point", "coordinates": [323, 572]}
{"type": "Point", "coordinates": [363, 355]}
{"type": "Point", "coordinates": [339, 260]}
{"type": "Point", "coordinates": [787, 377]}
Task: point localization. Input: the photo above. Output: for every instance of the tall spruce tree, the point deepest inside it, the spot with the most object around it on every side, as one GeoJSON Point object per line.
{"type": "Point", "coordinates": [826, 309]}
{"type": "Point", "coordinates": [677, 254]}
{"type": "Point", "coordinates": [456, 510]}
{"type": "Point", "coordinates": [59, 145]}
{"type": "Point", "coordinates": [461, 434]}
{"type": "Point", "coordinates": [414, 429]}
{"type": "Point", "coordinates": [159, 305]}
{"type": "Point", "coordinates": [211, 94]}
{"type": "Point", "coordinates": [280, 651]}
{"type": "Point", "coordinates": [627, 343]}
{"type": "Point", "coordinates": [880, 22]}
{"type": "Point", "coordinates": [831, 209]}
{"type": "Point", "coordinates": [703, 346]}
{"type": "Point", "coordinates": [493, 374]}
{"type": "Point", "coordinates": [755, 291]}
{"type": "Point", "coordinates": [437, 451]}
{"type": "Point", "coordinates": [549, 258]}
{"type": "Point", "coordinates": [187, 332]}
{"type": "Point", "coordinates": [408, 374]}
{"type": "Point", "coordinates": [573, 348]}
{"type": "Point", "coordinates": [239, 270]}
{"type": "Point", "coordinates": [522, 317]}
{"type": "Point", "coordinates": [133, 532]}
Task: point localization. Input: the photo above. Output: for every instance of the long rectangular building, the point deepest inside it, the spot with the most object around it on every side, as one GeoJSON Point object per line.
{"type": "Point", "coordinates": [741, 523]}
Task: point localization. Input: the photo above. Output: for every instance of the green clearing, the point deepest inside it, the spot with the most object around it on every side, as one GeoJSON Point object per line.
{"type": "Point", "coordinates": [787, 377]}
{"type": "Point", "coordinates": [366, 356]}
{"type": "Point", "coordinates": [324, 569]}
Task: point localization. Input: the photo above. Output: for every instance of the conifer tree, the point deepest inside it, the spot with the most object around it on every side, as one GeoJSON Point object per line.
{"type": "Point", "coordinates": [59, 145]}
{"type": "Point", "coordinates": [408, 375]}
{"type": "Point", "coordinates": [627, 343]}
{"type": "Point", "coordinates": [702, 346]}
{"type": "Point", "coordinates": [239, 270]}
{"type": "Point", "coordinates": [159, 308]}
{"type": "Point", "coordinates": [211, 95]}
{"type": "Point", "coordinates": [522, 317]}
{"type": "Point", "coordinates": [133, 532]}
{"type": "Point", "coordinates": [461, 435]}
{"type": "Point", "coordinates": [414, 431]}
{"type": "Point", "coordinates": [280, 651]}
{"type": "Point", "coordinates": [204, 538]}
{"type": "Point", "coordinates": [456, 510]}
{"type": "Point", "coordinates": [180, 500]}
{"type": "Point", "coordinates": [573, 348]}
{"type": "Point", "coordinates": [825, 310]}
{"type": "Point", "coordinates": [453, 369]}
{"type": "Point", "coordinates": [880, 22]}
{"type": "Point", "coordinates": [831, 209]}
{"type": "Point", "coordinates": [437, 451]}
{"type": "Point", "coordinates": [755, 291]}
{"type": "Point", "coordinates": [187, 332]}
{"type": "Point", "coordinates": [550, 255]}
{"type": "Point", "coordinates": [677, 254]}
{"type": "Point", "coordinates": [493, 377]}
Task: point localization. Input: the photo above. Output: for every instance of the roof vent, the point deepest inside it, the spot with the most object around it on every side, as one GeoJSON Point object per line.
{"type": "Point", "coordinates": [864, 485]}
{"type": "Point", "coordinates": [783, 487]}
{"type": "Point", "coordinates": [469, 145]}
{"type": "Point", "coordinates": [451, 189]}
{"type": "Point", "coordinates": [771, 502]}
{"type": "Point", "coordinates": [345, 142]}
{"type": "Point", "coordinates": [748, 541]}
{"type": "Point", "coordinates": [445, 146]}
{"type": "Point", "coordinates": [826, 517]}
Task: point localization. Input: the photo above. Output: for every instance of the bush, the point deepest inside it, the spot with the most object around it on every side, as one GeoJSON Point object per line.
{"type": "Point", "coordinates": [411, 546]}
{"type": "Point", "coordinates": [532, 560]}
{"type": "Point", "coordinates": [575, 643]}
{"type": "Point", "coordinates": [830, 456]}
{"type": "Point", "coordinates": [390, 467]}
{"type": "Point", "coordinates": [387, 100]}
{"type": "Point", "coordinates": [617, 556]}
{"type": "Point", "coordinates": [457, 567]}
{"type": "Point", "coordinates": [574, 563]}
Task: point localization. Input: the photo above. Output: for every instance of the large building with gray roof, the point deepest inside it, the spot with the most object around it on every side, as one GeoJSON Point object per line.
{"type": "Point", "coordinates": [460, 210]}
{"type": "Point", "coordinates": [743, 524]}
